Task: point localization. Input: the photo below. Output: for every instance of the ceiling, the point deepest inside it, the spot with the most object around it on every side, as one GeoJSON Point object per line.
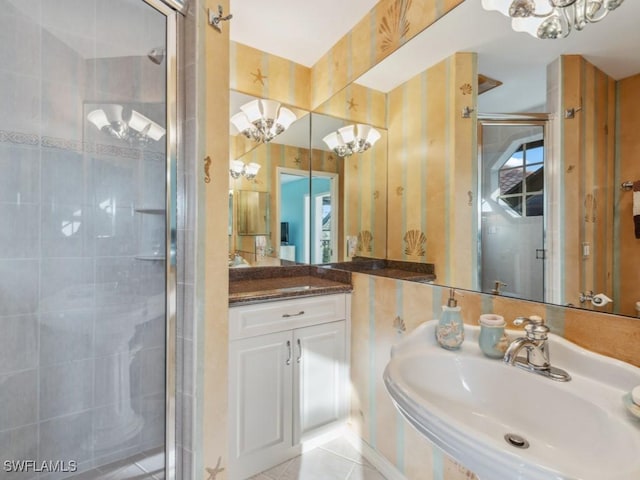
{"type": "Point", "coordinates": [304, 31]}
{"type": "Point", "coordinates": [516, 59]}
{"type": "Point", "coordinates": [300, 30]}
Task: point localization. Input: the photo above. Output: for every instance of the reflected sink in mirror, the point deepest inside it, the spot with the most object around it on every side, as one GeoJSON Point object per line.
{"type": "Point", "coordinates": [467, 404]}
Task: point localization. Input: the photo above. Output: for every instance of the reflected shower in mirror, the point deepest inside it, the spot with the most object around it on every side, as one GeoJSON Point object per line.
{"type": "Point", "coordinates": [584, 92]}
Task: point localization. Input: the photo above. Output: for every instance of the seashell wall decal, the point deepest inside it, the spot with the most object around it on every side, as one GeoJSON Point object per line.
{"type": "Point", "coordinates": [394, 26]}
{"type": "Point", "coordinates": [365, 241]}
{"type": "Point", "coordinates": [398, 324]}
{"type": "Point", "coordinates": [415, 243]}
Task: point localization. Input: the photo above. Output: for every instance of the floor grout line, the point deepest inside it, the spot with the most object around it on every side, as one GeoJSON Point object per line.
{"type": "Point", "coordinates": [353, 467]}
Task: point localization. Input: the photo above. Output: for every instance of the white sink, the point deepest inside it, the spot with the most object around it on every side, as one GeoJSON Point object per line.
{"type": "Point", "coordinates": [465, 403]}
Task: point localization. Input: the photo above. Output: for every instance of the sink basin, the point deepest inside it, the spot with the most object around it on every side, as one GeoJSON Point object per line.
{"type": "Point", "coordinates": [466, 403]}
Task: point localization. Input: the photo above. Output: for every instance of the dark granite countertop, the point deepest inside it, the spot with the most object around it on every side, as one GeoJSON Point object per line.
{"type": "Point", "coordinates": [412, 271]}
{"type": "Point", "coordinates": [260, 284]}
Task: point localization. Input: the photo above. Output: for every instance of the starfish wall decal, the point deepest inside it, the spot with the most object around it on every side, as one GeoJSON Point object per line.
{"type": "Point", "coordinates": [258, 76]}
{"type": "Point", "coordinates": [213, 472]}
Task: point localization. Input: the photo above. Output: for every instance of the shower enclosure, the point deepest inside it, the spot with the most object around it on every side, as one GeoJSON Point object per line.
{"type": "Point", "coordinates": [87, 270]}
{"type": "Point", "coordinates": [512, 184]}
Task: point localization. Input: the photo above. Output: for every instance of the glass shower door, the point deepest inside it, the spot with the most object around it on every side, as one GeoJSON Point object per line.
{"type": "Point", "coordinates": [83, 174]}
{"type": "Point", "coordinates": [512, 209]}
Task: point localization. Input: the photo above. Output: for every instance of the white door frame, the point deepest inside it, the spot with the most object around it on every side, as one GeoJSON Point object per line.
{"type": "Point", "coordinates": [335, 208]}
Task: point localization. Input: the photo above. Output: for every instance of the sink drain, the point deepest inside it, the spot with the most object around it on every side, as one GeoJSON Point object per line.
{"type": "Point", "coordinates": [516, 440]}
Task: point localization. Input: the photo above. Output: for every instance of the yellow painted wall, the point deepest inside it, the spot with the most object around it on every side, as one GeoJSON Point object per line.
{"type": "Point", "coordinates": [270, 156]}
{"type": "Point", "coordinates": [388, 26]}
{"type": "Point", "coordinates": [365, 201]}
{"type": "Point", "coordinates": [432, 157]}
{"type": "Point", "coordinates": [588, 166]}
{"type": "Point", "coordinates": [263, 75]}
{"type": "Point", "coordinates": [376, 304]}
{"type": "Point", "coordinates": [627, 246]}
{"type": "Point", "coordinates": [212, 273]}
{"type": "Point", "coordinates": [358, 104]}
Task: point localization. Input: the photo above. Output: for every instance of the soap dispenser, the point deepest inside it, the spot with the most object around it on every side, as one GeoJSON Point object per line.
{"type": "Point", "coordinates": [450, 328]}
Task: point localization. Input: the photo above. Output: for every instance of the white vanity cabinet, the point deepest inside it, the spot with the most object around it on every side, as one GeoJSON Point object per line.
{"type": "Point", "coordinates": [288, 383]}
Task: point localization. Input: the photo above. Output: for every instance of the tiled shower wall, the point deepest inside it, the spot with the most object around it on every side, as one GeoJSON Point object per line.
{"type": "Point", "coordinates": [76, 306]}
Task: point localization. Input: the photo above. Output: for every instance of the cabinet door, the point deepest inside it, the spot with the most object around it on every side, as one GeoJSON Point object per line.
{"type": "Point", "coordinates": [319, 378]}
{"type": "Point", "coordinates": [260, 401]}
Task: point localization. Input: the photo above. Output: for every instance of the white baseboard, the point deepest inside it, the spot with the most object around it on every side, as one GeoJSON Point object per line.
{"type": "Point", "coordinates": [384, 466]}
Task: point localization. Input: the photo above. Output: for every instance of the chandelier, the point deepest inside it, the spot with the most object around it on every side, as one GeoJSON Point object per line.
{"type": "Point", "coordinates": [262, 120]}
{"type": "Point", "coordinates": [552, 18]}
{"type": "Point", "coordinates": [351, 139]}
{"type": "Point", "coordinates": [136, 128]}
{"type": "Point", "coordinates": [238, 168]}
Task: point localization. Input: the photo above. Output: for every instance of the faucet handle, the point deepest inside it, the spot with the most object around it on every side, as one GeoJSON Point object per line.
{"type": "Point", "coordinates": [534, 326]}
{"type": "Point", "coordinates": [533, 320]}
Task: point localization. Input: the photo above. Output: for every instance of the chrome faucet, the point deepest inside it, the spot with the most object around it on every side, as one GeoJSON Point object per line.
{"type": "Point", "coordinates": [496, 287]}
{"type": "Point", "coordinates": [536, 357]}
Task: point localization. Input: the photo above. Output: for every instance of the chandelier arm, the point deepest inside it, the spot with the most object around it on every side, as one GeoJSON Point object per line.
{"type": "Point", "coordinates": [592, 19]}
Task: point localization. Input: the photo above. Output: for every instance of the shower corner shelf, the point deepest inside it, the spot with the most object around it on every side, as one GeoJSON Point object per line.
{"type": "Point", "coordinates": [150, 211]}
{"type": "Point", "coordinates": [151, 258]}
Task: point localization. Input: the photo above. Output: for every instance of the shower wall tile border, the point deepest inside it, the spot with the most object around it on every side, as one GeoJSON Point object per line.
{"type": "Point", "coordinates": [32, 139]}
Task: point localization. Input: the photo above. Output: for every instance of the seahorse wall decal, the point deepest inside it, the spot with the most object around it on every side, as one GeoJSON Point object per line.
{"type": "Point", "coordinates": [415, 243]}
{"type": "Point", "coordinates": [207, 166]}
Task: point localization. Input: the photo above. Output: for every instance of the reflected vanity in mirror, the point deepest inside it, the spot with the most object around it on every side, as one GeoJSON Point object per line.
{"type": "Point", "coordinates": [314, 193]}
{"type": "Point", "coordinates": [259, 188]}
{"type": "Point", "coordinates": [348, 177]}
{"type": "Point", "coordinates": [253, 213]}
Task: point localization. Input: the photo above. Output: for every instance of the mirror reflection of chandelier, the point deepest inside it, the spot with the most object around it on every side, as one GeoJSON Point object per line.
{"type": "Point", "coordinates": [238, 168]}
{"type": "Point", "coordinates": [552, 18]}
{"type": "Point", "coordinates": [352, 139]}
{"type": "Point", "coordinates": [262, 120]}
{"type": "Point", "coordinates": [137, 128]}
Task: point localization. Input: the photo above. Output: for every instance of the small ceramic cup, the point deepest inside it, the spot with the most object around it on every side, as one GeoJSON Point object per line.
{"type": "Point", "coordinates": [493, 341]}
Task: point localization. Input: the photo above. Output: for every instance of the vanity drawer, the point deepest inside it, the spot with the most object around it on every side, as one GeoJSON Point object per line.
{"type": "Point", "coordinates": [262, 318]}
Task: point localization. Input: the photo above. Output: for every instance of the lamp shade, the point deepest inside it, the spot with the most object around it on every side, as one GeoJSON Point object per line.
{"type": "Point", "coordinates": [270, 109]}
{"type": "Point", "coordinates": [156, 132]}
{"type": "Point", "coordinates": [332, 140]}
{"type": "Point", "coordinates": [98, 118]}
{"type": "Point", "coordinates": [240, 122]}
{"type": "Point", "coordinates": [251, 170]}
{"type": "Point", "coordinates": [138, 121]}
{"type": "Point", "coordinates": [236, 168]}
{"type": "Point", "coordinates": [113, 112]}
{"type": "Point", "coordinates": [286, 117]}
{"type": "Point", "coordinates": [373, 136]}
{"type": "Point", "coordinates": [347, 133]}
{"type": "Point", "coordinates": [252, 110]}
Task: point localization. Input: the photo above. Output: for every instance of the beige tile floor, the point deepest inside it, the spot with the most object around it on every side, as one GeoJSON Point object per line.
{"type": "Point", "coordinates": [145, 466]}
{"type": "Point", "coordinates": [336, 460]}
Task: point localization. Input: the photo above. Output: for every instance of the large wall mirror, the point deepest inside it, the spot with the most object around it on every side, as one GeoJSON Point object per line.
{"type": "Point", "coordinates": [547, 129]}
{"type": "Point", "coordinates": [268, 183]}
{"type": "Point", "coordinates": [544, 211]}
